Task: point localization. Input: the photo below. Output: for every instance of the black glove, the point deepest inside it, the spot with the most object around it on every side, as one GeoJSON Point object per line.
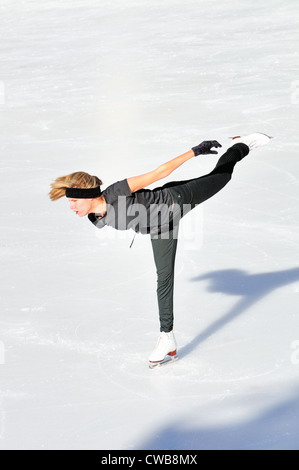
{"type": "Point", "coordinates": [205, 147]}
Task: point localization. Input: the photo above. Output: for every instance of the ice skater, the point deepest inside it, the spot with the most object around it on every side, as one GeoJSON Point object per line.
{"type": "Point", "coordinates": [127, 205]}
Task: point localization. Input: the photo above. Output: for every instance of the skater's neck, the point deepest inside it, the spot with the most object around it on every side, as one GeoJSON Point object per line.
{"type": "Point", "coordinates": [98, 206]}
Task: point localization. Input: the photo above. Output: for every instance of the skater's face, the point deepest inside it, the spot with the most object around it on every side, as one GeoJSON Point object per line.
{"type": "Point", "coordinates": [81, 207]}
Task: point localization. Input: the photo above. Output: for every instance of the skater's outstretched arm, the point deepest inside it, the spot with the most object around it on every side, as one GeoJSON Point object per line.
{"type": "Point", "coordinates": [142, 181]}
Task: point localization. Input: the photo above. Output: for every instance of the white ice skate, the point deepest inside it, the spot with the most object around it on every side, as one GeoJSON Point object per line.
{"type": "Point", "coordinates": [166, 346]}
{"type": "Point", "coordinates": [253, 141]}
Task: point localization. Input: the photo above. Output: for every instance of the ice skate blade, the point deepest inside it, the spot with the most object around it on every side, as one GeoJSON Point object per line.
{"type": "Point", "coordinates": [239, 136]}
{"type": "Point", "coordinates": [167, 360]}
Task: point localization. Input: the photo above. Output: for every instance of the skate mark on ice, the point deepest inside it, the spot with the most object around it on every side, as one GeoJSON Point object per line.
{"type": "Point", "coordinates": [127, 371]}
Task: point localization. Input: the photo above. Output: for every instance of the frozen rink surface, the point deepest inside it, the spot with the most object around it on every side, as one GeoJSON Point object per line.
{"type": "Point", "coordinates": [116, 89]}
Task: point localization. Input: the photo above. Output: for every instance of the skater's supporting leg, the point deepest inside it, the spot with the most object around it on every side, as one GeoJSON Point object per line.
{"type": "Point", "coordinates": [164, 250]}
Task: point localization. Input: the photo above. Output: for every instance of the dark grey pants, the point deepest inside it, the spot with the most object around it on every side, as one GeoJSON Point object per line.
{"type": "Point", "coordinates": [188, 193]}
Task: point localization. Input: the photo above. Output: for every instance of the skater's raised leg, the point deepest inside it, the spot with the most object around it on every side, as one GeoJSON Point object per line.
{"type": "Point", "coordinates": [198, 190]}
{"type": "Point", "coordinates": [188, 194]}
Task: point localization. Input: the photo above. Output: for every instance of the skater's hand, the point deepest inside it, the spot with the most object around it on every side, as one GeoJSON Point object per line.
{"type": "Point", "coordinates": [205, 148]}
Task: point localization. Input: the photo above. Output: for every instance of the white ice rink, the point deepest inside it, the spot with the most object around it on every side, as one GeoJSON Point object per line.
{"type": "Point", "coordinates": [115, 89]}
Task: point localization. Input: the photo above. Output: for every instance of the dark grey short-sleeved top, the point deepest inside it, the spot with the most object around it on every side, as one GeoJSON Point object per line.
{"type": "Point", "coordinates": [145, 211]}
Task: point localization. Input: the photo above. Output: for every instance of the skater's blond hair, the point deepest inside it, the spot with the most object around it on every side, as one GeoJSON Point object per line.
{"type": "Point", "coordinates": [79, 179]}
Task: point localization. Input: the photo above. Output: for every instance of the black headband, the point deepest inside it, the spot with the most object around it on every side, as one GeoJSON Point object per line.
{"type": "Point", "coordinates": [78, 193]}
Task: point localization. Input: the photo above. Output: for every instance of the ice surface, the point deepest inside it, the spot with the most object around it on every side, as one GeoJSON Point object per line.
{"type": "Point", "coordinates": [115, 89]}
